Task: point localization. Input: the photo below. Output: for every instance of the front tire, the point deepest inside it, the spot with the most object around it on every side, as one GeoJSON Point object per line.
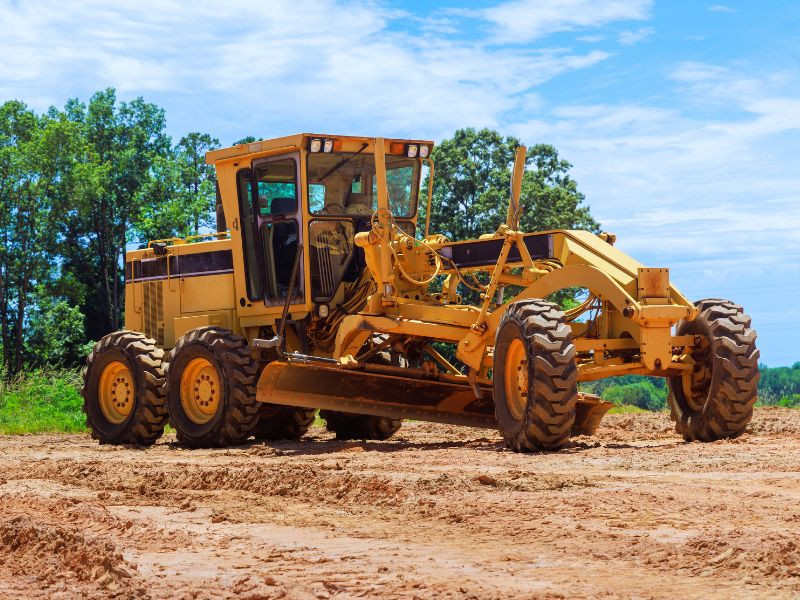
{"type": "Point", "coordinates": [715, 401]}
{"type": "Point", "coordinates": [535, 377]}
{"type": "Point", "coordinates": [122, 390]}
{"type": "Point", "coordinates": [210, 388]}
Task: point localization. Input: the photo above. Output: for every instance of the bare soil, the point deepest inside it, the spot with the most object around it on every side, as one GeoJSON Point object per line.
{"type": "Point", "coordinates": [436, 512]}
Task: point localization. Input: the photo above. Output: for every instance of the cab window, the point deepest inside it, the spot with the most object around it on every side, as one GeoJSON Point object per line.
{"type": "Point", "coordinates": [343, 184]}
{"type": "Point", "coordinates": [276, 188]}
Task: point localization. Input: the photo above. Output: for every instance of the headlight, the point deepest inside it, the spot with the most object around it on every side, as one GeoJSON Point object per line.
{"type": "Point", "coordinates": [323, 310]}
{"type": "Point", "coordinates": [411, 150]}
{"type": "Point", "coordinates": [315, 145]}
{"type": "Point", "coordinates": [424, 151]}
{"type": "Point", "coordinates": [327, 146]}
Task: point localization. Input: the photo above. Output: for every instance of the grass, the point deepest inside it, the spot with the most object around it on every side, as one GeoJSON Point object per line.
{"type": "Point", "coordinates": [42, 401]}
{"type": "Point", "coordinates": [625, 409]}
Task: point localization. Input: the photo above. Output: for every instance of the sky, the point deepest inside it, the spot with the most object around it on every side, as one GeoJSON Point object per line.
{"type": "Point", "coordinates": [681, 118]}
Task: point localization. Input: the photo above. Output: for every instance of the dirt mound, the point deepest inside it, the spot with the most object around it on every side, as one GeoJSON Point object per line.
{"type": "Point", "coordinates": [48, 545]}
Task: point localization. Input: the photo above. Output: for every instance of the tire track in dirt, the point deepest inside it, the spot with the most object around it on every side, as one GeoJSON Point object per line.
{"type": "Point", "coordinates": [437, 512]}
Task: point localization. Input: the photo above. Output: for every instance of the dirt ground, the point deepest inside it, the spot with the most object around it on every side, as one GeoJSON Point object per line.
{"type": "Point", "coordinates": [436, 512]}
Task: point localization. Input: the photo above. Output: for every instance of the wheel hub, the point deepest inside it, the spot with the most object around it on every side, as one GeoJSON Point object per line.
{"type": "Point", "coordinates": [516, 378]}
{"type": "Point", "coordinates": [116, 392]}
{"type": "Point", "coordinates": [200, 390]}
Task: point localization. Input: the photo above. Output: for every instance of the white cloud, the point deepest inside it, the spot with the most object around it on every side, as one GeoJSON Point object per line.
{"type": "Point", "coordinates": [325, 60]}
{"type": "Point", "coordinates": [629, 38]}
{"type": "Point", "coordinates": [707, 184]}
{"type": "Point", "coordinates": [526, 20]}
{"type": "Point", "coordinates": [721, 8]}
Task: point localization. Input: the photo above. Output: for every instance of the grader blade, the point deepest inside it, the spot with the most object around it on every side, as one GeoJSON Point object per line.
{"type": "Point", "coordinates": [395, 396]}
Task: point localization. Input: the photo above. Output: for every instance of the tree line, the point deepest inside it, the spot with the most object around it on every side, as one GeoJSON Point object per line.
{"type": "Point", "coordinates": [77, 185]}
{"type": "Point", "coordinates": [779, 386]}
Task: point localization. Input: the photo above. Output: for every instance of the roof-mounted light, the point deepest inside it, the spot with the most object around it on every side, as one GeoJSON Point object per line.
{"type": "Point", "coordinates": [315, 145]}
{"type": "Point", "coordinates": [327, 146]}
{"type": "Point", "coordinates": [424, 151]}
{"type": "Point", "coordinates": [412, 150]}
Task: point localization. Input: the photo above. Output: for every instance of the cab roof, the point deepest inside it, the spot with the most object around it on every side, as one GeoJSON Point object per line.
{"type": "Point", "coordinates": [299, 140]}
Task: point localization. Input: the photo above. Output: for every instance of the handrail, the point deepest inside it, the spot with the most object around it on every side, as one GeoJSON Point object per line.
{"type": "Point", "coordinates": [176, 241]}
{"type": "Point", "coordinates": [201, 236]}
{"type": "Point", "coordinates": [430, 197]}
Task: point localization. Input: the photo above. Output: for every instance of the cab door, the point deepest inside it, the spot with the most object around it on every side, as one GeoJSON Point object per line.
{"type": "Point", "coordinates": [271, 231]}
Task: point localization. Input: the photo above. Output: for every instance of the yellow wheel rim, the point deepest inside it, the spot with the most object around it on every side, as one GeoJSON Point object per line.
{"type": "Point", "coordinates": [516, 378]}
{"type": "Point", "coordinates": [200, 390]}
{"type": "Point", "coordinates": [116, 392]}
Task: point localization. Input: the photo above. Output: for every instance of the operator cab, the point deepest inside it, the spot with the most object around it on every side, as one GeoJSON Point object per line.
{"type": "Point", "coordinates": [320, 193]}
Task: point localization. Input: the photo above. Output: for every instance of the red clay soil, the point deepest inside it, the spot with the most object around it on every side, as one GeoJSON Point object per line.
{"type": "Point", "coordinates": [436, 512]}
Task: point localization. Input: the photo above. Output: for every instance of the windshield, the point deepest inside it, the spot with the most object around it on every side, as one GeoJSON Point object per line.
{"type": "Point", "coordinates": [351, 188]}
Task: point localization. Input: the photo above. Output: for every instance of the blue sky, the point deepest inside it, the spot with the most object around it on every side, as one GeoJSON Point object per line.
{"type": "Point", "coordinates": [681, 118]}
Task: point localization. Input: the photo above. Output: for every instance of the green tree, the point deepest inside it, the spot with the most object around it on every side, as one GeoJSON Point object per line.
{"type": "Point", "coordinates": [471, 192]}
{"type": "Point", "coordinates": [37, 180]}
{"type": "Point", "coordinates": [246, 140]}
{"type": "Point", "coordinates": [643, 394]}
{"type": "Point", "coordinates": [125, 140]}
{"type": "Point", "coordinates": [472, 187]}
{"type": "Point", "coordinates": [198, 179]}
{"type": "Point", "coordinates": [779, 385]}
{"type": "Point", "coordinates": [55, 335]}
{"type": "Point", "coordinates": [77, 187]}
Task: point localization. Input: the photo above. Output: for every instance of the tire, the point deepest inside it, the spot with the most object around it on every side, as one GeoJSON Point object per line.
{"type": "Point", "coordinates": [350, 426]}
{"type": "Point", "coordinates": [278, 422]}
{"type": "Point", "coordinates": [226, 413]}
{"type": "Point", "coordinates": [131, 359]}
{"type": "Point", "coordinates": [716, 400]}
{"type": "Point", "coordinates": [535, 377]}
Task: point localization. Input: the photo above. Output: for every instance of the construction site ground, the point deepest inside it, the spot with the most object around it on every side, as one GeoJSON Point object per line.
{"type": "Point", "coordinates": [435, 512]}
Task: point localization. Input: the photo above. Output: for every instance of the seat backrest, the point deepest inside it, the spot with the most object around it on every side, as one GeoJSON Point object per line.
{"type": "Point", "coordinates": [283, 206]}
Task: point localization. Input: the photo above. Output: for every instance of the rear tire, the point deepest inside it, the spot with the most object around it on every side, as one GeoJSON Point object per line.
{"type": "Point", "coordinates": [716, 400]}
{"type": "Point", "coordinates": [278, 422]}
{"type": "Point", "coordinates": [350, 426]}
{"type": "Point", "coordinates": [535, 377]}
{"type": "Point", "coordinates": [122, 390]}
{"type": "Point", "coordinates": [210, 388]}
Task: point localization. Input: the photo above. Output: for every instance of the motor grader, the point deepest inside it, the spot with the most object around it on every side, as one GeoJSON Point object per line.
{"type": "Point", "coordinates": [323, 289]}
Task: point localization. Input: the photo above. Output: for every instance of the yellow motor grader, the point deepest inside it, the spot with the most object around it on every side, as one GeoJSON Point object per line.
{"type": "Point", "coordinates": [324, 289]}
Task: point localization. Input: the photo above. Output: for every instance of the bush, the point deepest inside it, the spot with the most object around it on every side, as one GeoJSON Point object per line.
{"type": "Point", "coordinates": [642, 394]}
{"type": "Point", "coordinates": [779, 386]}
{"type": "Point", "coordinates": [42, 401]}
{"type": "Point", "coordinates": [792, 401]}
